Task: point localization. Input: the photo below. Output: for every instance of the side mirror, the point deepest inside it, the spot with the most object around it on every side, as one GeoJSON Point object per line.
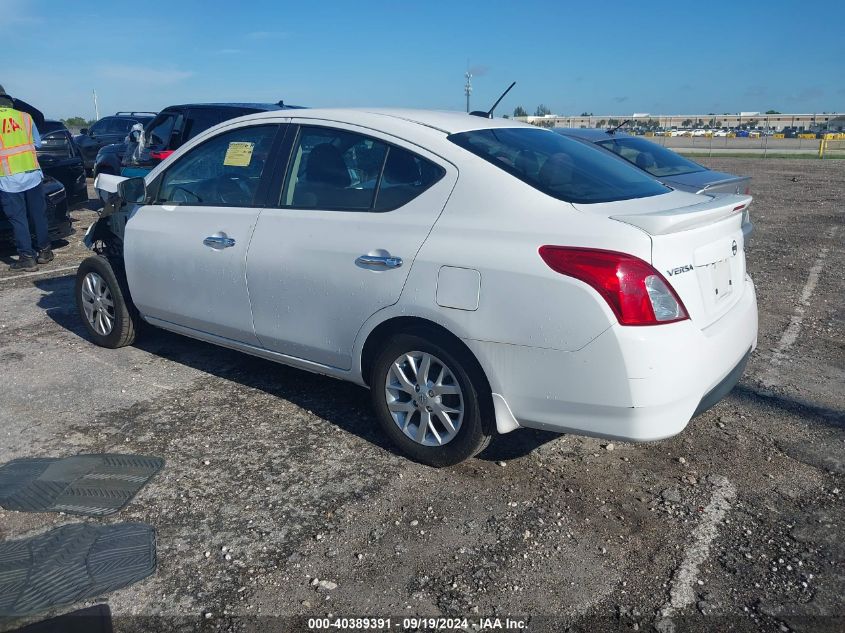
{"type": "Point", "coordinates": [84, 130]}
{"type": "Point", "coordinates": [132, 190]}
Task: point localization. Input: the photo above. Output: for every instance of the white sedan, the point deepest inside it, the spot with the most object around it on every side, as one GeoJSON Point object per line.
{"type": "Point", "coordinates": [477, 275]}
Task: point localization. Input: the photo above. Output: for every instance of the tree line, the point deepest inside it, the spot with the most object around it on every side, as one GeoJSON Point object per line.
{"type": "Point", "coordinates": [78, 121]}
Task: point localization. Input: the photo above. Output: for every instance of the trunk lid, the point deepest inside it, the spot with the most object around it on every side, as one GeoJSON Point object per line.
{"type": "Point", "coordinates": [697, 245]}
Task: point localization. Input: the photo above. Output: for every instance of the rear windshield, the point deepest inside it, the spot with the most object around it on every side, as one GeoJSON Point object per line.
{"type": "Point", "coordinates": [51, 126]}
{"type": "Point", "coordinates": [654, 158]}
{"type": "Point", "coordinates": [558, 166]}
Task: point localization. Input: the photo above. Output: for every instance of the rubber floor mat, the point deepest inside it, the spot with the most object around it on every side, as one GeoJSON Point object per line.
{"type": "Point", "coordinates": [72, 563]}
{"type": "Point", "coordinates": [93, 485]}
{"type": "Point", "coordinates": [96, 619]}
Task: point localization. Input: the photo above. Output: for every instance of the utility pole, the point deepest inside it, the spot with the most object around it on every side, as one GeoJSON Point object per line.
{"type": "Point", "coordinates": [468, 87]}
{"type": "Point", "coordinates": [96, 107]}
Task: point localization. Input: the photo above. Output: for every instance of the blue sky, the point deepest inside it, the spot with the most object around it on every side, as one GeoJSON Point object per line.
{"type": "Point", "coordinates": [601, 57]}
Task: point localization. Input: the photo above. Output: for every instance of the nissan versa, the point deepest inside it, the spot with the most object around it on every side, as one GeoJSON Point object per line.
{"type": "Point", "coordinates": [476, 274]}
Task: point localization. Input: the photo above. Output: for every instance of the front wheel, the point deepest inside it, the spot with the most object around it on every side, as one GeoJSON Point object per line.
{"type": "Point", "coordinates": [430, 399]}
{"type": "Point", "coordinates": [108, 315]}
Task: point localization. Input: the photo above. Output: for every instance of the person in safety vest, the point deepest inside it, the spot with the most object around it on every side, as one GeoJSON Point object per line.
{"type": "Point", "coordinates": [21, 193]}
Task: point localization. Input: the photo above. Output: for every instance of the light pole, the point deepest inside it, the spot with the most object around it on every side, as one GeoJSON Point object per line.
{"type": "Point", "coordinates": [468, 87]}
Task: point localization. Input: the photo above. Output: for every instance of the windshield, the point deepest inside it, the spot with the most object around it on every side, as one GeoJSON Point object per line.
{"type": "Point", "coordinates": [654, 158]}
{"type": "Point", "coordinates": [558, 166]}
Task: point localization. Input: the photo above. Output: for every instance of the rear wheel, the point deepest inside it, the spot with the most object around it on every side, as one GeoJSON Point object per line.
{"type": "Point", "coordinates": [430, 399]}
{"type": "Point", "coordinates": [103, 304]}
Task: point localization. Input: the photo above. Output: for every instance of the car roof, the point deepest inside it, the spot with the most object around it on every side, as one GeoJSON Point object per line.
{"type": "Point", "coordinates": [260, 107]}
{"type": "Point", "coordinates": [448, 122]}
{"type": "Point", "coordinates": [127, 117]}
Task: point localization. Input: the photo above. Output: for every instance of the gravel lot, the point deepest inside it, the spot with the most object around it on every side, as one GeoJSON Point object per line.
{"type": "Point", "coordinates": [279, 499]}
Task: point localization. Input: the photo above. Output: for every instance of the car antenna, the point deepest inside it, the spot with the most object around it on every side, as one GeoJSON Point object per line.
{"type": "Point", "coordinates": [613, 131]}
{"type": "Point", "coordinates": [489, 113]}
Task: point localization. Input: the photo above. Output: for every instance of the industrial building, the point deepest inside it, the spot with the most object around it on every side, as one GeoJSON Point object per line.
{"type": "Point", "coordinates": [832, 121]}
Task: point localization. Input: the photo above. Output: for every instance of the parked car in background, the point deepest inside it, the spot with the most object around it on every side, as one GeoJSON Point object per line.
{"type": "Point", "coordinates": [668, 167]}
{"type": "Point", "coordinates": [108, 130]}
{"type": "Point", "coordinates": [61, 158]}
{"type": "Point", "coordinates": [172, 127]}
{"type": "Point", "coordinates": [58, 220]}
{"type": "Point", "coordinates": [476, 274]}
{"type": "Point", "coordinates": [721, 133]}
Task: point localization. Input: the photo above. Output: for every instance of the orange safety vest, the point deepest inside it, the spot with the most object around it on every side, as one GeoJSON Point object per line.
{"type": "Point", "coordinates": [17, 145]}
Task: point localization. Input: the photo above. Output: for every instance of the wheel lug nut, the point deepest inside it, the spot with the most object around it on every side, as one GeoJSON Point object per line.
{"type": "Point", "coordinates": [430, 393]}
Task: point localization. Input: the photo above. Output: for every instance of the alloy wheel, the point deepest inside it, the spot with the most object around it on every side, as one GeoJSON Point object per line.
{"type": "Point", "coordinates": [98, 304]}
{"type": "Point", "coordinates": [424, 398]}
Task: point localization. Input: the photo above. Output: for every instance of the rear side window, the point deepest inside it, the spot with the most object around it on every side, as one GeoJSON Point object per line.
{"type": "Point", "coordinates": [654, 158]}
{"type": "Point", "coordinates": [405, 176]}
{"type": "Point", "coordinates": [122, 126]}
{"type": "Point", "coordinates": [561, 167]}
{"type": "Point", "coordinates": [338, 170]}
{"type": "Point", "coordinates": [109, 125]}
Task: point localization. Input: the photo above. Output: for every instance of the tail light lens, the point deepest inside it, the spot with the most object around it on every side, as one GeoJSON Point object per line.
{"type": "Point", "coordinates": [634, 290]}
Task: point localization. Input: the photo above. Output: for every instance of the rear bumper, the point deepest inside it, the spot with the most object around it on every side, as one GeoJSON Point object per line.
{"type": "Point", "coordinates": [630, 383]}
{"type": "Point", "coordinates": [712, 397]}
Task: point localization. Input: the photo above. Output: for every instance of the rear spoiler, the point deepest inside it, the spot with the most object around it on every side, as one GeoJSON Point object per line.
{"type": "Point", "coordinates": [724, 186]}
{"type": "Point", "coordinates": [683, 218]}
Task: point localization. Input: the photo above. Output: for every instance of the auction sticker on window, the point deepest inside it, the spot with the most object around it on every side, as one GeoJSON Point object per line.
{"type": "Point", "coordinates": [238, 154]}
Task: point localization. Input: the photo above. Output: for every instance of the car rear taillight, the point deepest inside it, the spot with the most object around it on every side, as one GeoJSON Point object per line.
{"type": "Point", "coordinates": [160, 155]}
{"type": "Point", "coordinates": [634, 290]}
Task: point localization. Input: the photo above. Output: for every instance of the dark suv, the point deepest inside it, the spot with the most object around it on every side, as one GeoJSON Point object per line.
{"type": "Point", "coordinates": [172, 127]}
{"type": "Point", "coordinates": [108, 130]}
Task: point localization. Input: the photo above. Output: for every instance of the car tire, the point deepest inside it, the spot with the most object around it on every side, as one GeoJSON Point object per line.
{"type": "Point", "coordinates": [471, 431]}
{"type": "Point", "coordinates": [104, 305]}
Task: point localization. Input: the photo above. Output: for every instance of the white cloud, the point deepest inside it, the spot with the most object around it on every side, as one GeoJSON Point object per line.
{"type": "Point", "coordinates": [144, 74]}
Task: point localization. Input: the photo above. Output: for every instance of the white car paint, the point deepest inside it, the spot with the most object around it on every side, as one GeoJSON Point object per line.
{"type": "Point", "coordinates": [552, 350]}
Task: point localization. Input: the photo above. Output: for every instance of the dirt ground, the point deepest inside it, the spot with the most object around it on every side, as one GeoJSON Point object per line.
{"type": "Point", "coordinates": [279, 499]}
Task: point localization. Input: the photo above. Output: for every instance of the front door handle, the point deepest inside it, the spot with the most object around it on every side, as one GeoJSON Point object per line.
{"type": "Point", "coordinates": [218, 241]}
{"type": "Point", "coordinates": [382, 261]}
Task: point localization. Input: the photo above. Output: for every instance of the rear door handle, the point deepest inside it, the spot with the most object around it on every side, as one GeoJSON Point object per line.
{"type": "Point", "coordinates": [382, 261]}
{"type": "Point", "coordinates": [219, 241]}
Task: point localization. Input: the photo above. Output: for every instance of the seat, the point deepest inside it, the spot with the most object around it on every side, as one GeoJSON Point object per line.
{"type": "Point", "coordinates": [326, 166]}
{"type": "Point", "coordinates": [645, 160]}
{"type": "Point", "coordinates": [324, 179]}
{"type": "Point", "coordinates": [556, 172]}
{"type": "Point", "coordinates": [526, 162]}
